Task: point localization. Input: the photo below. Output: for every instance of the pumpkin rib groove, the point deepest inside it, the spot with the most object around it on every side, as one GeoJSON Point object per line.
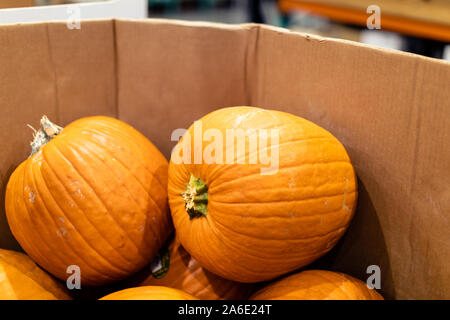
{"type": "Point", "coordinates": [100, 200]}
{"type": "Point", "coordinates": [49, 247]}
{"type": "Point", "coordinates": [289, 218]}
{"type": "Point", "coordinates": [87, 219]}
{"type": "Point", "coordinates": [123, 185]}
{"type": "Point", "coordinates": [282, 201]}
{"type": "Point", "coordinates": [290, 240]}
{"type": "Point", "coordinates": [220, 169]}
{"type": "Point", "coordinates": [231, 241]}
{"type": "Point", "coordinates": [20, 198]}
{"type": "Point", "coordinates": [52, 218]}
{"type": "Point", "coordinates": [213, 187]}
{"type": "Point", "coordinates": [142, 187]}
{"type": "Point", "coordinates": [209, 118]}
{"type": "Point", "coordinates": [290, 190]}
{"type": "Point", "coordinates": [130, 152]}
{"type": "Point", "coordinates": [75, 229]}
{"type": "Point", "coordinates": [135, 178]}
{"type": "Point", "coordinates": [97, 252]}
{"type": "Point", "coordinates": [287, 142]}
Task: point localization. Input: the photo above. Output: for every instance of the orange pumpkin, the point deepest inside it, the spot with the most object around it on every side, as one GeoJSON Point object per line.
{"type": "Point", "coordinates": [22, 279]}
{"type": "Point", "coordinates": [175, 268]}
{"type": "Point", "coordinates": [149, 293]}
{"type": "Point", "coordinates": [317, 285]}
{"type": "Point", "coordinates": [267, 209]}
{"type": "Point", "coordinates": [92, 195]}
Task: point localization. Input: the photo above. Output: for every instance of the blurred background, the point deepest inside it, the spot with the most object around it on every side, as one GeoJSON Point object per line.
{"type": "Point", "coordinates": [418, 26]}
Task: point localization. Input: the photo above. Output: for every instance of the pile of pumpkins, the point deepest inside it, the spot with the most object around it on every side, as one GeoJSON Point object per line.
{"type": "Point", "coordinates": [99, 198]}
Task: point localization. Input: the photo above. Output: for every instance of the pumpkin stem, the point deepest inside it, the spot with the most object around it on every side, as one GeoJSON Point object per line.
{"type": "Point", "coordinates": [47, 132]}
{"type": "Point", "coordinates": [196, 197]}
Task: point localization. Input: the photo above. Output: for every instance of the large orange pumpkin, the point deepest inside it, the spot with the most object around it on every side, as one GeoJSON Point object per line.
{"type": "Point", "coordinates": [175, 268]}
{"type": "Point", "coordinates": [22, 279]}
{"type": "Point", "coordinates": [149, 293]}
{"type": "Point", "coordinates": [92, 195]}
{"type": "Point", "coordinates": [245, 221]}
{"type": "Point", "coordinates": [317, 285]}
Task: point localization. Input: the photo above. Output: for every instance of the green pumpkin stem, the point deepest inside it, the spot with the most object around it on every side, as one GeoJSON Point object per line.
{"type": "Point", "coordinates": [196, 197]}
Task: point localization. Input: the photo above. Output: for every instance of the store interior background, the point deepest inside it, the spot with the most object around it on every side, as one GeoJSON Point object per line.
{"type": "Point", "coordinates": [297, 19]}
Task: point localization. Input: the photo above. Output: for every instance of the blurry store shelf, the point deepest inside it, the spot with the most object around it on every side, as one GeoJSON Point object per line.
{"type": "Point", "coordinates": [425, 19]}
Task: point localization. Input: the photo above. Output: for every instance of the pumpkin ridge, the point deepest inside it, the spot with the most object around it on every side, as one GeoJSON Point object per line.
{"type": "Point", "coordinates": [219, 169]}
{"type": "Point", "coordinates": [90, 222]}
{"type": "Point", "coordinates": [123, 185]}
{"type": "Point", "coordinates": [287, 188]}
{"type": "Point", "coordinates": [282, 201]}
{"type": "Point", "coordinates": [291, 240]}
{"type": "Point", "coordinates": [130, 152]}
{"type": "Point", "coordinates": [213, 187]}
{"type": "Point", "coordinates": [231, 244]}
{"type": "Point", "coordinates": [25, 202]}
{"type": "Point", "coordinates": [142, 187]}
{"type": "Point", "coordinates": [100, 200]}
{"type": "Point", "coordinates": [284, 143]}
{"type": "Point", "coordinates": [52, 217]}
{"type": "Point", "coordinates": [94, 155]}
{"type": "Point", "coordinates": [303, 216]}
{"type": "Point", "coordinates": [75, 229]}
{"type": "Point", "coordinates": [84, 239]}
{"type": "Point", "coordinates": [132, 174]}
{"type": "Point", "coordinates": [14, 207]}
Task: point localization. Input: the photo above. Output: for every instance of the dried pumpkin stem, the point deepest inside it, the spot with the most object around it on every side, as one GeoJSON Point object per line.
{"type": "Point", "coordinates": [196, 197]}
{"type": "Point", "coordinates": [47, 132]}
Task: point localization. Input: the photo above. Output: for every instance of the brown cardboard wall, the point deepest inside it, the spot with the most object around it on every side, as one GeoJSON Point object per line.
{"type": "Point", "coordinates": [391, 110]}
{"type": "Point", "coordinates": [172, 74]}
{"type": "Point", "coordinates": [49, 69]}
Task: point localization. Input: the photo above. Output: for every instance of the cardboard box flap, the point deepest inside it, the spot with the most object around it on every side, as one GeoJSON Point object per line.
{"type": "Point", "coordinates": [390, 109]}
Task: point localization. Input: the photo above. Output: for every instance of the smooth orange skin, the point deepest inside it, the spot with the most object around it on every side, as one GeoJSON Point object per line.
{"type": "Point", "coordinates": [317, 285]}
{"type": "Point", "coordinates": [94, 196]}
{"type": "Point", "coordinates": [22, 279]}
{"type": "Point", "coordinates": [149, 293]}
{"type": "Point", "coordinates": [259, 227]}
{"type": "Point", "coordinates": [187, 275]}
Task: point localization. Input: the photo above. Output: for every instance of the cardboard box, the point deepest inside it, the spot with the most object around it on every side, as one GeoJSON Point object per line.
{"type": "Point", "coordinates": [390, 109]}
